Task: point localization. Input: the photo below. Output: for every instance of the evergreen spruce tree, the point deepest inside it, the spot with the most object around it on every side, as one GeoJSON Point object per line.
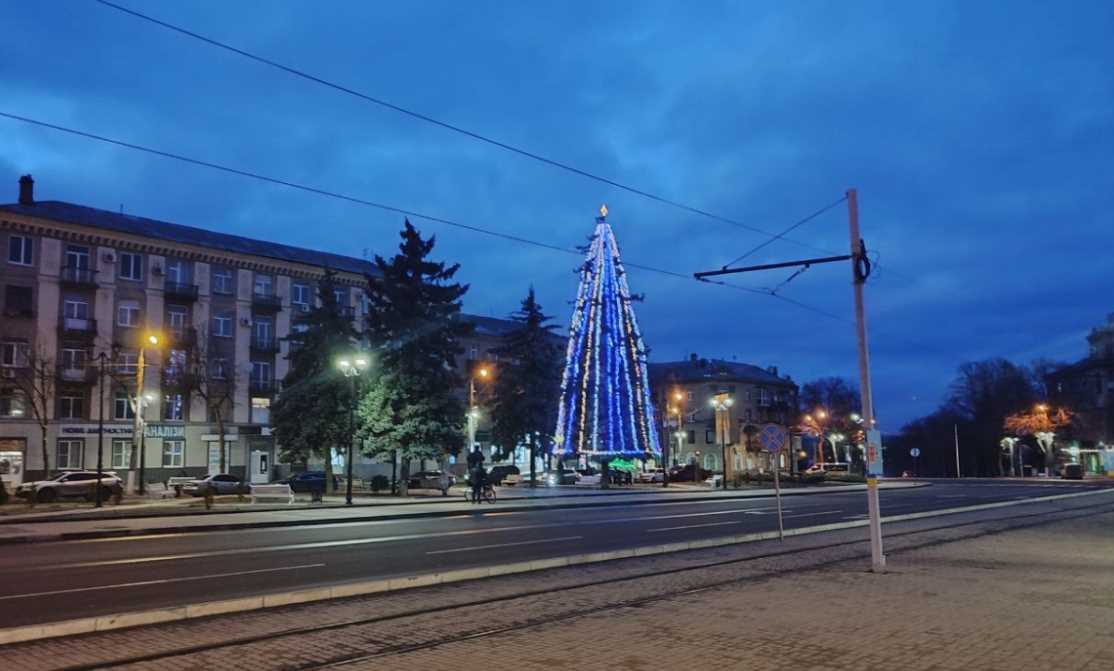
{"type": "Point", "coordinates": [310, 416]}
{"type": "Point", "coordinates": [411, 409]}
{"type": "Point", "coordinates": [528, 385]}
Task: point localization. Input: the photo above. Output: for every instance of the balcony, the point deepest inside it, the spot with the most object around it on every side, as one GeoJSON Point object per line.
{"type": "Point", "coordinates": [258, 387]}
{"type": "Point", "coordinates": [73, 276]}
{"type": "Point", "coordinates": [85, 374]}
{"type": "Point", "coordinates": [19, 312]}
{"type": "Point", "coordinates": [184, 338]}
{"type": "Point", "coordinates": [180, 291]}
{"type": "Point", "coordinates": [265, 345]}
{"type": "Point", "coordinates": [266, 303]}
{"type": "Point", "coordinates": [79, 329]}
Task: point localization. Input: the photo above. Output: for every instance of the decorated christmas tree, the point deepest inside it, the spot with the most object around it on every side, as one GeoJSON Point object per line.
{"type": "Point", "coordinates": [605, 408]}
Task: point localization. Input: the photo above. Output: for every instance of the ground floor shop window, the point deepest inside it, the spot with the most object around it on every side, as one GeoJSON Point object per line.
{"type": "Point", "coordinates": [121, 453]}
{"type": "Point", "coordinates": [173, 453]}
{"type": "Point", "coordinates": [69, 453]}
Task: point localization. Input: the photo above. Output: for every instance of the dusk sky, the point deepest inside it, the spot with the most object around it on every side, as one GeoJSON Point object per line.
{"type": "Point", "coordinates": [979, 137]}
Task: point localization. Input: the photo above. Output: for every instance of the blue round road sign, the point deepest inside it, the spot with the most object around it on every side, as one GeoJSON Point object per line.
{"type": "Point", "coordinates": [772, 437]}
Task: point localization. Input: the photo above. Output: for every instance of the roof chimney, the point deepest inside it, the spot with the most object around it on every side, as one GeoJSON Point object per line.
{"type": "Point", "coordinates": [26, 190]}
{"type": "Point", "coordinates": [693, 357]}
{"type": "Point", "coordinates": [772, 370]}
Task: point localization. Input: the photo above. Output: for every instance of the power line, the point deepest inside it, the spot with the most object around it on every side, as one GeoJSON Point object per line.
{"type": "Point", "coordinates": [381, 206]}
{"type": "Point", "coordinates": [781, 236]}
{"type": "Point", "coordinates": [449, 126]}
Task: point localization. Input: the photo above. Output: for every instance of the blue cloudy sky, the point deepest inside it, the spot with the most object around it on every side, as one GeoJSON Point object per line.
{"type": "Point", "coordinates": [978, 134]}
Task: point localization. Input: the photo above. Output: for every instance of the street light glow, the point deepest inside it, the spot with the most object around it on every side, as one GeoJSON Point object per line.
{"type": "Point", "coordinates": [343, 364]}
{"type": "Point", "coordinates": [483, 372]}
{"type": "Point", "coordinates": [361, 362]}
{"type": "Point", "coordinates": [821, 414]}
{"type": "Point", "coordinates": [152, 339]}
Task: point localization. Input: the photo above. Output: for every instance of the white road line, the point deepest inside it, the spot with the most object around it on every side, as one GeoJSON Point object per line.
{"type": "Point", "coordinates": [825, 512]}
{"type": "Point", "coordinates": [505, 545]}
{"type": "Point", "coordinates": [692, 526]}
{"type": "Point", "coordinates": [162, 581]}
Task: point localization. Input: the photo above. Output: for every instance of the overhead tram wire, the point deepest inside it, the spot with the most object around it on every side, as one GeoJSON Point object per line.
{"type": "Point", "coordinates": [452, 127]}
{"type": "Point", "coordinates": [790, 229]}
{"type": "Point", "coordinates": [381, 206]}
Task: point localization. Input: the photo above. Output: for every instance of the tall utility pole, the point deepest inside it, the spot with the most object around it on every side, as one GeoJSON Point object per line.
{"type": "Point", "coordinates": [957, 473]}
{"type": "Point", "coordinates": [860, 269]}
{"type": "Point", "coordinates": [100, 431]}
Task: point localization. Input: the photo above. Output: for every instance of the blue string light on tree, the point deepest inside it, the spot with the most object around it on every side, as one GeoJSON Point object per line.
{"type": "Point", "coordinates": [605, 406]}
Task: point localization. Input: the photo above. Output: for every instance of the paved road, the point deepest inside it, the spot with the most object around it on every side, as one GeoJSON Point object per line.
{"type": "Point", "coordinates": [55, 581]}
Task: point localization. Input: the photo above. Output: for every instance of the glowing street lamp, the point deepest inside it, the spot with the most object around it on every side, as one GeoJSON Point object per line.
{"type": "Point", "coordinates": [722, 404]}
{"type": "Point", "coordinates": [351, 367]}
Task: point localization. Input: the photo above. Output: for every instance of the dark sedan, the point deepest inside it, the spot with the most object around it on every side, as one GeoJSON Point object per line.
{"type": "Point", "coordinates": [307, 481]}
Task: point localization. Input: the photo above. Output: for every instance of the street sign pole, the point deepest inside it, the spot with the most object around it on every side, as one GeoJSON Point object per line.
{"type": "Point", "coordinates": [773, 439]}
{"type": "Point", "coordinates": [777, 495]}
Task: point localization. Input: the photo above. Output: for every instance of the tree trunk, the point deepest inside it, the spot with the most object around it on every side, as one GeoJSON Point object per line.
{"type": "Point", "coordinates": [220, 442]}
{"type": "Point", "coordinates": [46, 453]}
{"type": "Point", "coordinates": [533, 464]}
{"type": "Point", "coordinates": [330, 486]}
{"type": "Point", "coordinates": [404, 477]}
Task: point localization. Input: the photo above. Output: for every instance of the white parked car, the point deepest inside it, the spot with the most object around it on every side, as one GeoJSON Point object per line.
{"type": "Point", "coordinates": [652, 475]}
{"type": "Point", "coordinates": [69, 485]}
{"type": "Point", "coordinates": [592, 479]}
{"type": "Point", "coordinates": [715, 481]}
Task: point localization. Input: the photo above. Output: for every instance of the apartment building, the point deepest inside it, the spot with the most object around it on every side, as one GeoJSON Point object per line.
{"type": "Point", "coordinates": [81, 284]}
{"type": "Point", "coordinates": [692, 428]}
{"type": "Point", "coordinates": [1087, 388]}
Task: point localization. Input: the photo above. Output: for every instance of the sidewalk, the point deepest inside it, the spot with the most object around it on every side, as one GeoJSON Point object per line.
{"type": "Point", "coordinates": [35, 528]}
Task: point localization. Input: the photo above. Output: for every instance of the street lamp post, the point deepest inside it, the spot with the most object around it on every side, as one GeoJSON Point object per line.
{"type": "Point", "coordinates": [100, 431]}
{"type": "Point", "coordinates": [351, 369]}
{"type": "Point", "coordinates": [473, 412]}
{"type": "Point", "coordinates": [722, 404]}
{"type": "Point", "coordinates": [138, 444]}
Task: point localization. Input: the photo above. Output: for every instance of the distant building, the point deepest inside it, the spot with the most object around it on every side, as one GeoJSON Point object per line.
{"type": "Point", "coordinates": [686, 389]}
{"type": "Point", "coordinates": [76, 282]}
{"type": "Point", "coordinates": [1087, 388]}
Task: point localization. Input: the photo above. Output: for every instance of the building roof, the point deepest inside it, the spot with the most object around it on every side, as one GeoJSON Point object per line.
{"type": "Point", "coordinates": [708, 370]}
{"type": "Point", "coordinates": [494, 326]}
{"type": "Point", "coordinates": [130, 224]}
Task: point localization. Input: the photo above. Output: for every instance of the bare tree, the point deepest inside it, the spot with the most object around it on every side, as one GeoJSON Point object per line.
{"type": "Point", "coordinates": [35, 380]}
{"type": "Point", "coordinates": [208, 374]}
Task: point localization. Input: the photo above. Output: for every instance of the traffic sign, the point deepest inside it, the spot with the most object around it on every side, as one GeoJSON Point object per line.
{"type": "Point", "coordinates": [772, 437]}
{"type": "Point", "coordinates": [915, 452]}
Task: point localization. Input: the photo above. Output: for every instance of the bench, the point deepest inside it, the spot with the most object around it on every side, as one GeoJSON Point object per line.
{"type": "Point", "coordinates": [272, 492]}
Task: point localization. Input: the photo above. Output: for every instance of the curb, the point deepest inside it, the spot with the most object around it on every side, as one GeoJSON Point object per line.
{"type": "Point", "coordinates": [204, 609]}
{"type": "Point", "coordinates": [231, 526]}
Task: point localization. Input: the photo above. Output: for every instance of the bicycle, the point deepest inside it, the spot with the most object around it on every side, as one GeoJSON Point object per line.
{"type": "Point", "coordinates": [486, 494]}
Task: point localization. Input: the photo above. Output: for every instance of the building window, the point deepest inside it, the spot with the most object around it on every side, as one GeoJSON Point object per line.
{"type": "Point", "coordinates": [131, 266]}
{"type": "Point", "coordinates": [13, 355]}
{"type": "Point", "coordinates": [176, 271]}
{"type": "Point", "coordinates": [173, 407]}
{"type": "Point", "coordinates": [175, 364]}
{"type": "Point", "coordinates": [70, 451]}
{"type": "Point", "coordinates": [340, 296]}
{"type": "Point", "coordinates": [11, 403]}
{"type": "Point", "coordinates": [77, 257]}
{"type": "Point", "coordinates": [17, 300]}
{"type": "Point", "coordinates": [219, 369]}
{"type": "Point", "coordinates": [19, 250]}
{"type": "Point", "coordinates": [222, 326]}
{"type": "Point", "coordinates": [127, 314]}
{"type": "Point", "coordinates": [222, 281]}
{"type": "Point", "coordinates": [748, 414]}
{"type": "Point", "coordinates": [473, 353]}
{"type": "Point", "coordinates": [709, 437]}
{"type": "Point", "coordinates": [73, 359]}
{"type": "Point", "coordinates": [176, 319]}
{"type": "Point", "coordinates": [71, 406]}
{"type": "Point", "coordinates": [763, 397]}
{"type": "Point", "coordinates": [691, 439]}
{"type": "Point", "coordinates": [260, 372]}
{"type": "Point", "coordinates": [173, 453]}
{"type": "Point", "coordinates": [127, 362]}
{"type": "Point", "coordinates": [260, 410]}
{"type": "Point", "coordinates": [688, 395]}
{"type": "Point", "coordinates": [299, 296]}
{"type": "Point", "coordinates": [263, 331]}
{"type": "Point", "coordinates": [75, 308]}
{"type": "Point", "coordinates": [122, 406]}
{"type": "Point", "coordinates": [264, 285]}
{"type": "Point", "coordinates": [121, 453]}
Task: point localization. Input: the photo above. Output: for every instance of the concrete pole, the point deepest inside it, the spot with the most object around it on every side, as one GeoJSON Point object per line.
{"type": "Point", "coordinates": [878, 558]}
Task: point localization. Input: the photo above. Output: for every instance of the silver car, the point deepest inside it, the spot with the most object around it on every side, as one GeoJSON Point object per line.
{"type": "Point", "coordinates": [69, 485]}
{"type": "Point", "coordinates": [220, 484]}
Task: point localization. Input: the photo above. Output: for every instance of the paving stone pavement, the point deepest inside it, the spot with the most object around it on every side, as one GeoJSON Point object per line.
{"type": "Point", "coordinates": [1037, 598]}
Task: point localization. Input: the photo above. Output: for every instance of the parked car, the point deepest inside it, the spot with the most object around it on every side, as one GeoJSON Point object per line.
{"type": "Point", "coordinates": [222, 483]}
{"type": "Point", "coordinates": [685, 474]}
{"type": "Point", "coordinates": [1072, 472]}
{"type": "Point", "coordinates": [715, 480]}
{"type": "Point", "coordinates": [554, 478]}
{"type": "Point", "coordinates": [69, 485]}
{"type": "Point", "coordinates": [430, 480]}
{"type": "Point", "coordinates": [499, 475]}
{"type": "Point", "coordinates": [589, 477]}
{"type": "Point", "coordinates": [308, 481]}
{"type": "Point", "coordinates": [652, 475]}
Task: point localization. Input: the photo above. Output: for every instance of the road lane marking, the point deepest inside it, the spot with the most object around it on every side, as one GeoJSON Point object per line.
{"type": "Point", "coordinates": [823, 512]}
{"type": "Point", "coordinates": [692, 526]}
{"type": "Point", "coordinates": [161, 581]}
{"type": "Point", "coordinates": [505, 545]}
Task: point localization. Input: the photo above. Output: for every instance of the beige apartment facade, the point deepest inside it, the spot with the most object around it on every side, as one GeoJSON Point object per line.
{"type": "Point", "coordinates": [80, 287]}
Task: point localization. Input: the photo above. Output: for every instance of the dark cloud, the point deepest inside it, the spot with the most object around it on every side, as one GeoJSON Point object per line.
{"type": "Point", "coordinates": [977, 134]}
